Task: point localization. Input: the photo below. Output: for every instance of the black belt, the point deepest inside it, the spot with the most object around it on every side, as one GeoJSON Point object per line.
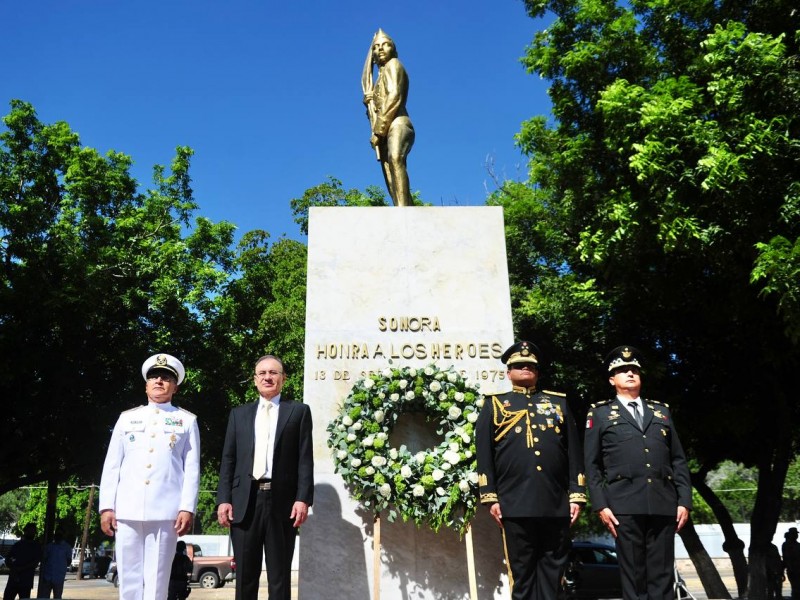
{"type": "Point", "coordinates": [263, 484]}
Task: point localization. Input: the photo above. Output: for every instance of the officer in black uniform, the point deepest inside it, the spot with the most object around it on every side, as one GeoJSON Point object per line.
{"type": "Point", "coordinates": [638, 479]}
{"type": "Point", "coordinates": [530, 473]}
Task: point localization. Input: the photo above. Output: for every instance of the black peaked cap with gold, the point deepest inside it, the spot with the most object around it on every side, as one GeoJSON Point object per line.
{"type": "Point", "coordinates": [521, 352]}
{"type": "Point", "coordinates": [623, 356]}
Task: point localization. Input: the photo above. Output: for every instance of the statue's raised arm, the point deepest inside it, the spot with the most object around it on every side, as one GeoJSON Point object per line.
{"type": "Point", "coordinates": [392, 131]}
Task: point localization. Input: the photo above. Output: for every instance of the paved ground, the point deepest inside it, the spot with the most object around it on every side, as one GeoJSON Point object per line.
{"type": "Point", "coordinates": [100, 589]}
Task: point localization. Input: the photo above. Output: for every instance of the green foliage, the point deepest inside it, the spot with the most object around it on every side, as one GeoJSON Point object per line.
{"type": "Point", "coordinates": [12, 505]}
{"type": "Point", "coordinates": [70, 512]}
{"type": "Point", "coordinates": [95, 277]}
{"type": "Point", "coordinates": [662, 211]}
{"type": "Point", "coordinates": [331, 193]}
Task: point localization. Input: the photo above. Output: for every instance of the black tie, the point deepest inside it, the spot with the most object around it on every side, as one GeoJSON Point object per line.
{"type": "Point", "coordinates": [636, 414]}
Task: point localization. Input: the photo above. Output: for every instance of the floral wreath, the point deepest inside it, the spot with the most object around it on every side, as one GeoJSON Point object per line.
{"type": "Point", "coordinates": [437, 486]}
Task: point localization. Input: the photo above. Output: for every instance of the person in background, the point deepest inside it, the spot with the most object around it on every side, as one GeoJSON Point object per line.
{"type": "Point", "coordinates": [57, 557]}
{"type": "Point", "coordinates": [150, 482]}
{"type": "Point", "coordinates": [791, 560]}
{"type": "Point", "coordinates": [22, 561]}
{"type": "Point", "coordinates": [180, 573]}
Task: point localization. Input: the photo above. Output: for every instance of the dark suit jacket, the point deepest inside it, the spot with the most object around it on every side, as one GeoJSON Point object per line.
{"type": "Point", "coordinates": [292, 461]}
{"type": "Point", "coordinates": [635, 471]}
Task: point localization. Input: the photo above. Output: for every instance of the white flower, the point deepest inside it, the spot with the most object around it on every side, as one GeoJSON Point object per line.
{"type": "Point", "coordinates": [465, 437]}
{"type": "Point", "coordinates": [351, 437]}
{"type": "Point", "coordinates": [410, 395]}
{"type": "Point", "coordinates": [341, 454]}
{"type": "Point", "coordinates": [452, 457]}
{"type": "Point", "coordinates": [463, 485]}
{"type": "Point", "coordinates": [387, 372]}
{"type": "Point", "coordinates": [341, 427]}
{"type": "Point", "coordinates": [347, 421]}
{"type": "Point", "coordinates": [442, 396]}
{"type": "Point", "coordinates": [412, 371]}
{"type": "Point", "coordinates": [394, 397]}
{"type": "Point", "coordinates": [368, 441]}
{"type": "Point", "coordinates": [357, 426]}
{"type": "Point", "coordinates": [420, 457]}
{"type": "Point", "coordinates": [468, 453]}
{"type": "Point", "coordinates": [403, 384]}
{"type": "Point", "coordinates": [379, 414]}
{"type": "Point", "coordinates": [458, 430]}
{"type": "Point", "coordinates": [473, 477]}
{"type": "Point", "coordinates": [405, 471]}
{"type": "Point", "coordinates": [437, 474]}
{"type": "Point", "coordinates": [381, 395]}
{"type": "Point", "coordinates": [472, 417]}
{"type": "Point", "coordinates": [428, 371]}
{"type": "Point", "coordinates": [440, 491]}
{"type": "Point", "coordinates": [418, 491]}
{"type": "Point", "coordinates": [355, 463]}
{"type": "Point", "coordinates": [368, 383]}
{"type": "Point", "coordinates": [435, 386]}
{"type": "Point", "coordinates": [446, 466]}
{"type": "Point", "coordinates": [459, 396]}
{"type": "Point", "coordinates": [369, 471]}
{"type": "Point", "coordinates": [454, 412]}
{"type": "Point", "coordinates": [385, 490]}
{"type": "Point", "coordinates": [453, 447]}
{"type": "Point", "coordinates": [452, 377]}
{"type": "Point", "coordinates": [479, 402]}
{"type": "Point", "coordinates": [393, 454]}
{"type": "Point", "coordinates": [382, 435]}
{"type": "Point", "coordinates": [378, 461]}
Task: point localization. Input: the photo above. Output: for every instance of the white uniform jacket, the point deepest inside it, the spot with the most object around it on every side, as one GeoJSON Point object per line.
{"type": "Point", "coordinates": [152, 468]}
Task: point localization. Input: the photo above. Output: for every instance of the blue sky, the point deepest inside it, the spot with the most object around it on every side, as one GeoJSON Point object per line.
{"type": "Point", "coordinates": [268, 93]}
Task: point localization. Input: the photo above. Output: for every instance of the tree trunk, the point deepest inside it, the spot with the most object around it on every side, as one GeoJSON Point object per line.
{"type": "Point", "coordinates": [49, 523]}
{"type": "Point", "coordinates": [767, 508]}
{"type": "Point", "coordinates": [732, 544]}
{"type": "Point", "coordinates": [706, 570]}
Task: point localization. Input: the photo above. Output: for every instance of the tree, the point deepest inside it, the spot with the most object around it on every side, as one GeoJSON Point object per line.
{"type": "Point", "coordinates": [663, 202]}
{"type": "Point", "coordinates": [95, 276]}
{"type": "Point", "coordinates": [331, 193]}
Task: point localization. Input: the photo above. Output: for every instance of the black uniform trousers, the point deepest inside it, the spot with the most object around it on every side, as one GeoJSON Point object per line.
{"type": "Point", "coordinates": [646, 553]}
{"type": "Point", "coordinates": [536, 550]}
{"type": "Point", "coordinates": [263, 532]}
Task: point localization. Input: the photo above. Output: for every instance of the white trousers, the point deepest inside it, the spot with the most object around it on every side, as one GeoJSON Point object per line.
{"type": "Point", "coordinates": [145, 550]}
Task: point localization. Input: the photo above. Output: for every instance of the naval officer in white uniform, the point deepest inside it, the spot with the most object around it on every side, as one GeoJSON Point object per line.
{"type": "Point", "coordinates": [151, 475]}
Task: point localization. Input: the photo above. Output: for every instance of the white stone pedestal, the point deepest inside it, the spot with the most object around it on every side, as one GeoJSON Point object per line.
{"type": "Point", "coordinates": [412, 285]}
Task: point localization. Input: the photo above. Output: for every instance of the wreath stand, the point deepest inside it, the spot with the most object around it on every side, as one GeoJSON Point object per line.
{"type": "Point", "coordinates": [376, 560]}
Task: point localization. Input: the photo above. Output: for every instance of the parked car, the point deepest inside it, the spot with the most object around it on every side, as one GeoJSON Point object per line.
{"type": "Point", "coordinates": [210, 571]}
{"type": "Point", "coordinates": [592, 572]}
{"type": "Point", "coordinates": [207, 571]}
{"type": "Point", "coordinates": [111, 576]}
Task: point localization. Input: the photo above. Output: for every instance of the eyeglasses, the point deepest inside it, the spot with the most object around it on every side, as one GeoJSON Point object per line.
{"type": "Point", "coordinates": [263, 374]}
{"type": "Point", "coordinates": [520, 366]}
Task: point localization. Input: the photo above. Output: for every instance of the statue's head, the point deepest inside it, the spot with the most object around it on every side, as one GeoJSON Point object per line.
{"type": "Point", "coordinates": [383, 48]}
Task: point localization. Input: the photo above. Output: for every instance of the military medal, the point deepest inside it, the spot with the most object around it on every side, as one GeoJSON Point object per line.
{"type": "Point", "coordinates": [172, 440]}
{"type": "Point", "coordinates": [132, 438]}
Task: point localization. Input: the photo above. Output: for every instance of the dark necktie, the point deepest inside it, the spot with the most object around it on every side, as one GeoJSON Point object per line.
{"type": "Point", "coordinates": [636, 414]}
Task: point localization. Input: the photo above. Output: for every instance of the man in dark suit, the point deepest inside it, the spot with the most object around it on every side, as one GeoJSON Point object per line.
{"type": "Point", "coordinates": [530, 475]}
{"type": "Point", "coordinates": [266, 482]}
{"type": "Point", "coordinates": [638, 478]}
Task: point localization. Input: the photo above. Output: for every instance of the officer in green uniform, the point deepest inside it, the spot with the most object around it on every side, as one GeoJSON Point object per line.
{"type": "Point", "coordinates": [530, 474]}
{"type": "Point", "coordinates": [638, 478]}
